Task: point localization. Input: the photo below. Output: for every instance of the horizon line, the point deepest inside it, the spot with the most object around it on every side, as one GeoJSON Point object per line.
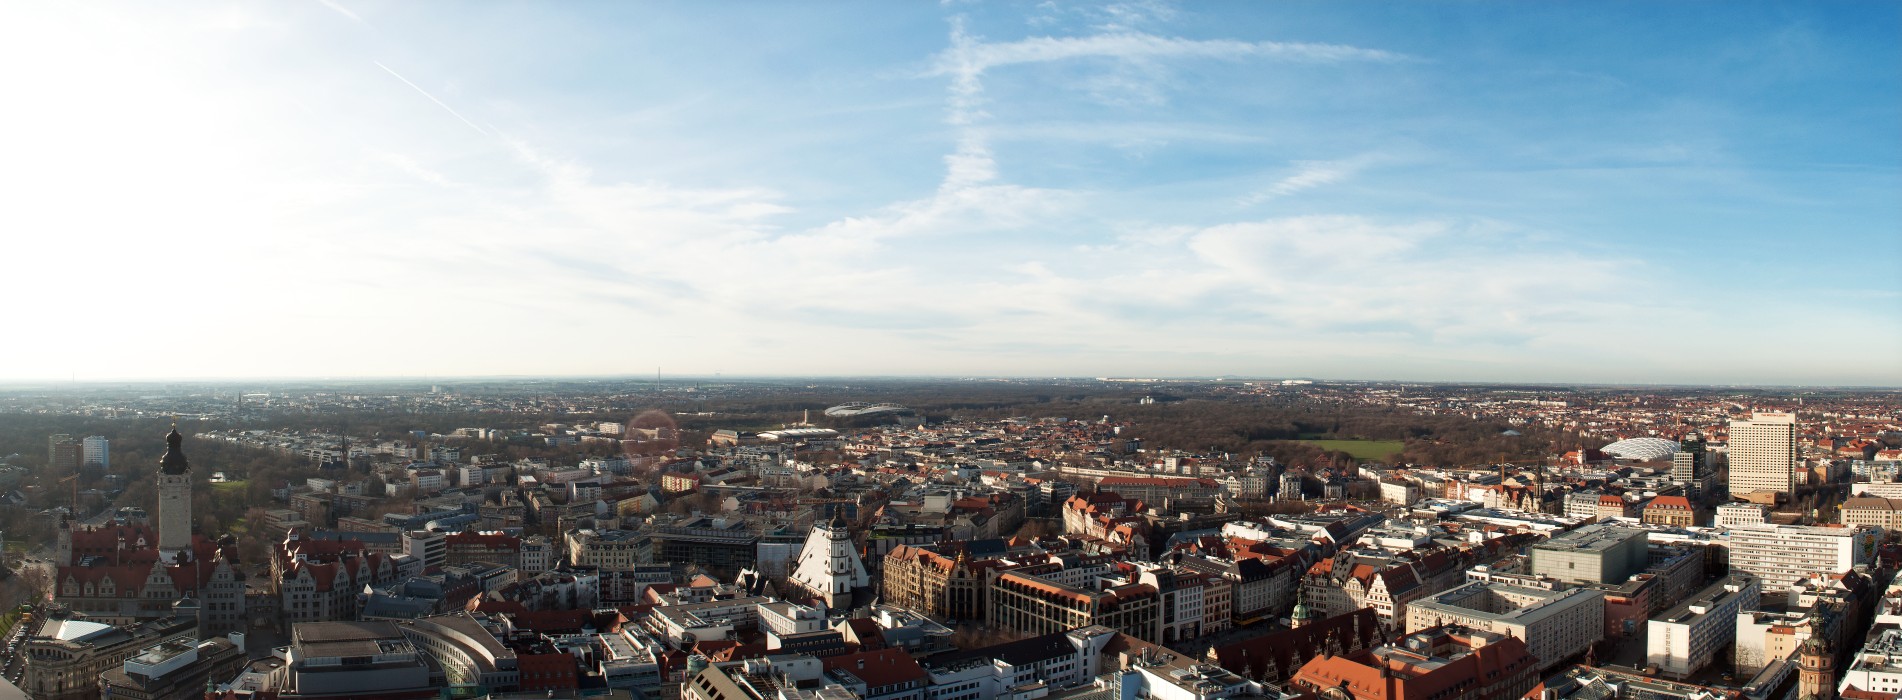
{"type": "Point", "coordinates": [10, 383]}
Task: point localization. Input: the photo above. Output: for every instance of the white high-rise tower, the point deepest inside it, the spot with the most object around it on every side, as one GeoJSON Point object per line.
{"type": "Point", "coordinates": [174, 499]}
{"type": "Point", "coordinates": [96, 451]}
{"type": "Point", "coordinates": [828, 567]}
{"type": "Point", "coordinates": [1762, 453]}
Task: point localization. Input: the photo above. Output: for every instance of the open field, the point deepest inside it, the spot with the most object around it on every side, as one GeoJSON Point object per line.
{"type": "Point", "coordinates": [1361, 449]}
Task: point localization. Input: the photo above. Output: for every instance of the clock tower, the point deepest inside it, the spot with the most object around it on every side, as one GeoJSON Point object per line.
{"type": "Point", "coordinates": [174, 499]}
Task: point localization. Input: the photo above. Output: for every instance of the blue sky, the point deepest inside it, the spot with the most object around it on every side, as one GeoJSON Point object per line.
{"type": "Point", "coordinates": [1670, 193]}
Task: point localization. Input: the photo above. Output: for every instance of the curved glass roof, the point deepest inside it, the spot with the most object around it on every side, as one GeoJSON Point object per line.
{"type": "Point", "coordinates": [1642, 448]}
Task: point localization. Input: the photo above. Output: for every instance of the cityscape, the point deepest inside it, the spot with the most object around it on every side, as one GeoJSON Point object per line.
{"type": "Point", "coordinates": [955, 350]}
{"type": "Point", "coordinates": [974, 538]}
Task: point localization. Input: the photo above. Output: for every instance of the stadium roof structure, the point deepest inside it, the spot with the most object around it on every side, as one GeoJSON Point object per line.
{"type": "Point", "coordinates": [849, 410]}
{"type": "Point", "coordinates": [1643, 449]}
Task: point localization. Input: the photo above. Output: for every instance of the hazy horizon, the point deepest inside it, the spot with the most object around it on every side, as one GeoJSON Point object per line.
{"type": "Point", "coordinates": [685, 379]}
{"type": "Point", "coordinates": [1562, 193]}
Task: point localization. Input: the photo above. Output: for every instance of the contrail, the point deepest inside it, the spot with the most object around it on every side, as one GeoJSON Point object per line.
{"type": "Point", "coordinates": [432, 98]}
{"type": "Point", "coordinates": [345, 11]}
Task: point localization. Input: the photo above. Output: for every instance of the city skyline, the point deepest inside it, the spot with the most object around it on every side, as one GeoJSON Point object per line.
{"type": "Point", "coordinates": [1563, 193]}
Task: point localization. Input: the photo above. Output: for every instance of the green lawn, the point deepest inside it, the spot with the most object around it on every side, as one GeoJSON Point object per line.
{"type": "Point", "coordinates": [229, 488]}
{"type": "Point", "coordinates": [1361, 449]}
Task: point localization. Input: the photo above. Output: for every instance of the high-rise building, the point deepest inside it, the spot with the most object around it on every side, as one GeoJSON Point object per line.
{"type": "Point", "coordinates": [174, 498]}
{"type": "Point", "coordinates": [1782, 554]}
{"type": "Point", "coordinates": [1690, 466]}
{"type": "Point", "coordinates": [1763, 453]}
{"type": "Point", "coordinates": [96, 451]}
{"type": "Point", "coordinates": [62, 453]}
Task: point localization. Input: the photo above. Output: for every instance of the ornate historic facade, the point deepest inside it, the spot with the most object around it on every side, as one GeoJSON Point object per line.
{"type": "Point", "coordinates": [124, 574]}
{"type": "Point", "coordinates": [923, 580]}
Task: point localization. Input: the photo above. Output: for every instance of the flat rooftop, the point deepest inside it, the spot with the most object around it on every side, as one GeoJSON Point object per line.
{"type": "Point", "coordinates": [153, 655]}
{"type": "Point", "coordinates": [1503, 602]}
{"type": "Point", "coordinates": [345, 631]}
{"type": "Point", "coordinates": [1597, 537]}
{"type": "Point", "coordinates": [1710, 596]}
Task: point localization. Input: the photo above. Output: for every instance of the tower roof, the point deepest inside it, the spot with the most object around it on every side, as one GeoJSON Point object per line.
{"type": "Point", "coordinates": [174, 460]}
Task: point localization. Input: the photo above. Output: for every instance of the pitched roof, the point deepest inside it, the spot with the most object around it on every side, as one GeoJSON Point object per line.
{"type": "Point", "coordinates": [1273, 657]}
{"type": "Point", "coordinates": [877, 669]}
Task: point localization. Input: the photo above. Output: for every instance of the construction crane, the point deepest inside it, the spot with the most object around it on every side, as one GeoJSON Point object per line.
{"type": "Point", "coordinates": [75, 479]}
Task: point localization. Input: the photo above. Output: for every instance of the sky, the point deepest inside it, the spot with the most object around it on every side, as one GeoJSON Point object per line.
{"type": "Point", "coordinates": [1693, 192]}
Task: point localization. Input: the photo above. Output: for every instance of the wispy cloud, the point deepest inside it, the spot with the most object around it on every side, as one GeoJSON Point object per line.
{"type": "Point", "coordinates": [1309, 174]}
{"type": "Point", "coordinates": [972, 57]}
{"type": "Point", "coordinates": [969, 57]}
{"type": "Point", "coordinates": [432, 98]}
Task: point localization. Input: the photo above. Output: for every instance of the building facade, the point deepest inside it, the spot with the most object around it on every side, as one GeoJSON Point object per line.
{"type": "Point", "coordinates": [65, 660]}
{"type": "Point", "coordinates": [1554, 624]}
{"type": "Point", "coordinates": [1036, 605]}
{"type": "Point", "coordinates": [926, 581]}
{"type": "Point", "coordinates": [1688, 636]}
{"type": "Point", "coordinates": [1599, 553]}
{"type": "Point", "coordinates": [1762, 453]}
{"type": "Point", "coordinates": [829, 567]}
{"type": "Point", "coordinates": [1675, 511]}
{"type": "Point", "coordinates": [1873, 511]}
{"type": "Point", "coordinates": [1784, 554]}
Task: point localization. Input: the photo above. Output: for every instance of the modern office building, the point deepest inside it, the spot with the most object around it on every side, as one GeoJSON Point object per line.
{"type": "Point", "coordinates": [1783, 554]}
{"type": "Point", "coordinates": [1877, 667]}
{"type": "Point", "coordinates": [1763, 453]}
{"type": "Point", "coordinates": [1734, 514]}
{"type": "Point", "coordinates": [1690, 466]}
{"type": "Point", "coordinates": [346, 659]}
{"type": "Point", "coordinates": [1685, 638]}
{"type": "Point", "coordinates": [720, 546]}
{"type": "Point", "coordinates": [1600, 553]}
{"type": "Point", "coordinates": [1583, 682]}
{"type": "Point", "coordinates": [173, 670]}
{"type": "Point", "coordinates": [1555, 625]}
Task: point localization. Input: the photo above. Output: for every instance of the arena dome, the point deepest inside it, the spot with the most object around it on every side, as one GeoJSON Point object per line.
{"type": "Point", "coordinates": [850, 410]}
{"type": "Point", "coordinates": [1643, 449]}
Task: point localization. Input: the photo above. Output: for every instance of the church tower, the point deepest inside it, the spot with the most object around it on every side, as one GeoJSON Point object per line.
{"type": "Point", "coordinates": [174, 499]}
{"type": "Point", "coordinates": [1302, 615]}
{"type": "Point", "coordinates": [1816, 671]}
{"type": "Point", "coordinates": [828, 567]}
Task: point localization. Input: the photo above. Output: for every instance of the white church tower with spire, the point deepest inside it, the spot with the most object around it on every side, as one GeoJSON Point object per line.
{"type": "Point", "coordinates": [174, 499]}
{"type": "Point", "coordinates": [828, 567]}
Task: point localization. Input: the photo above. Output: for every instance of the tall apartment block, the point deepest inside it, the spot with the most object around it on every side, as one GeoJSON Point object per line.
{"type": "Point", "coordinates": [63, 453]}
{"type": "Point", "coordinates": [96, 451]}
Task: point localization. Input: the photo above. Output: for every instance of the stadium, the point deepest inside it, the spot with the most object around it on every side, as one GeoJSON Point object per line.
{"type": "Point", "coordinates": [1642, 449]}
{"type": "Point", "coordinates": [865, 410]}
